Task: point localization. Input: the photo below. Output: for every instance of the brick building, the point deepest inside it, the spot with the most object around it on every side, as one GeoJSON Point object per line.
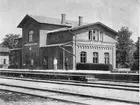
{"type": "Point", "coordinates": [49, 38]}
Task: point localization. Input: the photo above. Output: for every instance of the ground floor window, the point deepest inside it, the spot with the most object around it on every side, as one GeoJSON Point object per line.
{"type": "Point", "coordinates": [95, 57]}
{"type": "Point", "coordinates": [4, 61]}
{"type": "Point", "coordinates": [83, 57]}
{"type": "Point", "coordinates": [106, 57]}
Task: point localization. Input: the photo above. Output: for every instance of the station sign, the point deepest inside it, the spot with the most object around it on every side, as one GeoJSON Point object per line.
{"type": "Point", "coordinates": [30, 44]}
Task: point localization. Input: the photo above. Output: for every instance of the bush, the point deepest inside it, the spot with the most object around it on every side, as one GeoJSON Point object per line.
{"type": "Point", "coordinates": [1, 66]}
{"type": "Point", "coordinates": [91, 66]}
{"type": "Point", "coordinates": [12, 66]}
{"type": "Point", "coordinates": [135, 66]}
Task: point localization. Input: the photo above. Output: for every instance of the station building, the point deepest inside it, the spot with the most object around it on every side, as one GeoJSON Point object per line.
{"type": "Point", "coordinates": [79, 42]}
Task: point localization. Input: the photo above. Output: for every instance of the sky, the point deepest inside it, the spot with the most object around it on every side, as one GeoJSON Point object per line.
{"type": "Point", "coordinates": [113, 13]}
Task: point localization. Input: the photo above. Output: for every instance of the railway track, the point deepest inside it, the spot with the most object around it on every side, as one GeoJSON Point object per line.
{"type": "Point", "coordinates": [62, 95]}
{"type": "Point", "coordinates": [44, 93]}
{"type": "Point", "coordinates": [85, 84]}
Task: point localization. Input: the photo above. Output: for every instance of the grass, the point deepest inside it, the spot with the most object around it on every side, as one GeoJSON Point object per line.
{"type": "Point", "coordinates": [11, 98]}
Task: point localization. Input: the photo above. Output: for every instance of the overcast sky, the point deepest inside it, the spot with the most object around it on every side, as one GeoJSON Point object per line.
{"type": "Point", "coordinates": [113, 13]}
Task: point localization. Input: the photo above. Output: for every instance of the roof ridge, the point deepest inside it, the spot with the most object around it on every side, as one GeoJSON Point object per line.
{"type": "Point", "coordinates": [51, 20]}
{"type": "Point", "coordinates": [51, 17]}
{"type": "Point", "coordinates": [41, 16]}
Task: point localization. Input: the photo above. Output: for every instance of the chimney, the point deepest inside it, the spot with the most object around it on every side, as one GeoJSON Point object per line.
{"type": "Point", "coordinates": [80, 20]}
{"type": "Point", "coordinates": [63, 18]}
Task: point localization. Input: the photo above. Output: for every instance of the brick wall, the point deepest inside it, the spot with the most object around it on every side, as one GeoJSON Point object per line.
{"type": "Point", "coordinates": [32, 49]}
{"type": "Point", "coordinates": [59, 37]}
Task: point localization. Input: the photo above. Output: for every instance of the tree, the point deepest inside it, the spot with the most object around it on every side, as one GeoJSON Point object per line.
{"type": "Point", "coordinates": [125, 48]}
{"type": "Point", "coordinates": [136, 57]}
{"type": "Point", "coordinates": [9, 40]}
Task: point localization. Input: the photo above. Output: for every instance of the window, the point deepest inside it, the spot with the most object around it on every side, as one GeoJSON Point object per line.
{"type": "Point", "coordinates": [83, 57]}
{"type": "Point", "coordinates": [95, 57]}
{"type": "Point", "coordinates": [93, 35]}
{"type": "Point", "coordinates": [96, 35]}
{"type": "Point", "coordinates": [90, 35]}
{"type": "Point", "coordinates": [4, 61]}
{"type": "Point", "coordinates": [101, 36]}
{"type": "Point", "coordinates": [106, 57]}
{"type": "Point", "coordinates": [31, 34]}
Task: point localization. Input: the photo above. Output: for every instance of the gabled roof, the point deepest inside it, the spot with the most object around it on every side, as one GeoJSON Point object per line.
{"type": "Point", "coordinates": [49, 20]}
{"type": "Point", "coordinates": [83, 26]}
{"type": "Point", "coordinates": [96, 23]}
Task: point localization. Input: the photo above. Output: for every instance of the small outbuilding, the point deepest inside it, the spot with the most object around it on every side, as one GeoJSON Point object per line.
{"type": "Point", "coordinates": [4, 57]}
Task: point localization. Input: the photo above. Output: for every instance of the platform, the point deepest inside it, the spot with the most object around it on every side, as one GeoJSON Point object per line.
{"type": "Point", "coordinates": [71, 74]}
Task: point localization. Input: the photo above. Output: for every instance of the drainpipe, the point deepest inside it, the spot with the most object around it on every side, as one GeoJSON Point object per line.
{"type": "Point", "coordinates": [75, 46]}
{"type": "Point", "coordinates": [64, 57]}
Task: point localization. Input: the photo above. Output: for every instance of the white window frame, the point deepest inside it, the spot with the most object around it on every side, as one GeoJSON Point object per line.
{"type": "Point", "coordinates": [83, 57]}
{"type": "Point", "coordinates": [95, 57]}
{"type": "Point", "coordinates": [106, 58]}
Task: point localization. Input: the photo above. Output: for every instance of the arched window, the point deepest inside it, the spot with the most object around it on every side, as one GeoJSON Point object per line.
{"type": "Point", "coordinates": [31, 34]}
{"type": "Point", "coordinates": [83, 56]}
{"type": "Point", "coordinates": [95, 57]}
{"type": "Point", "coordinates": [106, 57]}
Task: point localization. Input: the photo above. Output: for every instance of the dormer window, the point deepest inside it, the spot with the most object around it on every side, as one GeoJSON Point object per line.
{"type": "Point", "coordinates": [31, 34]}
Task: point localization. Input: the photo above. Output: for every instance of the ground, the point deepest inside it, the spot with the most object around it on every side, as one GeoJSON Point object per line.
{"type": "Point", "coordinates": [10, 98]}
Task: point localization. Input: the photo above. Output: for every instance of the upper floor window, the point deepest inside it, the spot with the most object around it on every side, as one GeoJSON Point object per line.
{"type": "Point", "coordinates": [106, 57]}
{"type": "Point", "coordinates": [90, 35]}
{"type": "Point", "coordinates": [101, 36]}
{"type": "Point", "coordinates": [83, 56]}
{"type": "Point", "coordinates": [31, 34]}
{"type": "Point", "coordinates": [95, 35]}
{"type": "Point", "coordinates": [95, 57]}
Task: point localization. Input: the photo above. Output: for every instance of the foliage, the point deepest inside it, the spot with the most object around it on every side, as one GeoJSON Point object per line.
{"type": "Point", "coordinates": [125, 48]}
{"type": "Point", "coordinates": [92, 66]}
{"type": "Point", "coordinates": [9, 40]}
{"type": "Point", "coordinates": [136, 57]}
{"type": "Point", "coordinates": [136, 53]}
